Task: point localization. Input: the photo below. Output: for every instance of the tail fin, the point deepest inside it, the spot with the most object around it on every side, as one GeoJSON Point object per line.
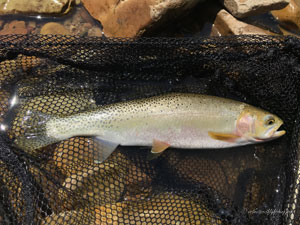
{"type": "Point", "coordinates": [35, 135]}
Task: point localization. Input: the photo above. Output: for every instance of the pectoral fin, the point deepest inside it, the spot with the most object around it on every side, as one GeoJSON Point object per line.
{"type": "Point", "coordinates": [223, 136]}
{"type": "Point", "coordinates": [105, 150]}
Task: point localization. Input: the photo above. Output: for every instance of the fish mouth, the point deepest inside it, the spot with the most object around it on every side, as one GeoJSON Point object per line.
{"type": "Point", "coordinates": [272, 134]}
{"type": "Point", "coordinates": [278, 133]}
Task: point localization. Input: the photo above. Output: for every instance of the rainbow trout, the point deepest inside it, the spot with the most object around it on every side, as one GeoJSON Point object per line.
{"type": "Point", "coordinates": [190, 121]}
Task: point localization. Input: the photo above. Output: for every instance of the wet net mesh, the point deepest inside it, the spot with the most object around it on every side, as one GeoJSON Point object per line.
{"type": "Point", "coordinates": [62, 183]}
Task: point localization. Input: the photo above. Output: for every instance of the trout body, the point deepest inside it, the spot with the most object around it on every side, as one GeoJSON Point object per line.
{"type": "Point", "coordinates": [176, 120]}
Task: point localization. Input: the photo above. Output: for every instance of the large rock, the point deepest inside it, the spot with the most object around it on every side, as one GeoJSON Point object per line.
{"type": "Point", "coordinates": [132, 18]}
{"type": "Point", "coordinates": [85, 216]}
{"type": "Point", "coordinates": [54, 28]}
{"type": "Point", "coordinates": [35, 6]}
{"type": "Point", "coordinates": [226, 24]}
{"type": "Point", "coordinates": [289, 17]}
{"type": "Point", "coordinates": [164, 208]}
{"type": "Point", "coordinates": [244, 8]}
{"type": "Point", "coordinates": [14, 27]}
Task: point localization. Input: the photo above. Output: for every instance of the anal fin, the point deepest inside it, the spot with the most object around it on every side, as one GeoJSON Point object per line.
{"type": "Point", "coordinates": [106, 149]}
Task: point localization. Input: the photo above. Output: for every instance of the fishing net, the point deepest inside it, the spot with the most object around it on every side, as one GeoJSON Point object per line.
{"type": "Point", "coordinates": [64, 184]}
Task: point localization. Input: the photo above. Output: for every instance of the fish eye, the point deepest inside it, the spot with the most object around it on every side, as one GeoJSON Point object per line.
{"type": "Point", "coordinates": [270, 121]}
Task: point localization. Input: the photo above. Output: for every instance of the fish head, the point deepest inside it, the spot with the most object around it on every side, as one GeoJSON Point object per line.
{"type": "Point", "coordinates": [257, 125]}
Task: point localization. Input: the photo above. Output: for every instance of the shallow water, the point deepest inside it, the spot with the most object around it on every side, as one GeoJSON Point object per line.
{"type": "Point", "coordinates": [198, 22]}
{"type": "Point", "coordinates": [77, 22]}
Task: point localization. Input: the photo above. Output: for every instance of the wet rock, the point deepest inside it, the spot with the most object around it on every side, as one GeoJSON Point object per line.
{"type": "Point", "coordinates": [54, 28]}
{"type": "Point", "coordinates": [77, 19]}
{"type": "Point", "coordinates": [32, 23]}
{"type": "Point", "coordinates": [198, 22]}
{"type": "Point", "coordinates": [11, 186]}
{"type": "Point", "coordinates": [80, 23]}
{"type": "Point", "coordinates": [165, 208]}
{"type": "Point", "coordinates": [14, 27]}
{"type": "Point", "coordinates": [265, 21]}
{"type": "Point", "coordinates": [138, 184]}
{"type": "Point", "coordinates": [50, 188]}
{"type": "Point", "coordinates": [86, 16]}
{"type": "Point", "coordinates": [93, 184]}
{"type": "Point", "coordinates": [21, 63]}
{"type": "Point", "coordinates": [80, 29]}
{"type": "Point", "coordinates": [87, 182]}
{"type": "Point", "coordinates": [132, 18]}
{"type": "Point", "coordinates": [287, 32]}
{"type": "Point", "coordinates": [95, 31]}
{"type": "Point", "coordinates": [35, 6]}
{"type": "Point", "coordinates": [244, 8]}
{"type": "Point", "coordinates": [4, 103]}
{"type": "Point", "coordinates": [75, 217]}
{"type": "Point", "coordinates": [72, 154]}
{"type": "Point", "coordinates": [87, 25]}
{"type": "Point", "coordinates": [289, 17]}
{"type": "Point", "coordinates": [31, 27]}
{"type": "Point", "coordinates": [205, 171]}
{"type": "Point", "coordinates": [226, 24]}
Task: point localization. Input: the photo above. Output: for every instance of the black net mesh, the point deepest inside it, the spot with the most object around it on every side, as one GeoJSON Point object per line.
{"type": "Point", "coordinates": [62, 184]}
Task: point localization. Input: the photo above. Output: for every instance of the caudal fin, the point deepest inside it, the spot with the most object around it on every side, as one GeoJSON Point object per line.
{"type": "Point", "coordinates": [35, 135]}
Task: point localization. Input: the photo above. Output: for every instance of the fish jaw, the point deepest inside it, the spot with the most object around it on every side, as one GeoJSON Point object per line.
{"type": "Point", "coordinates": [279, 133]}
{"type": "Point", "coordinates": [272, 134]}
{"type": "Point", "coordinates": [275, 135]}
